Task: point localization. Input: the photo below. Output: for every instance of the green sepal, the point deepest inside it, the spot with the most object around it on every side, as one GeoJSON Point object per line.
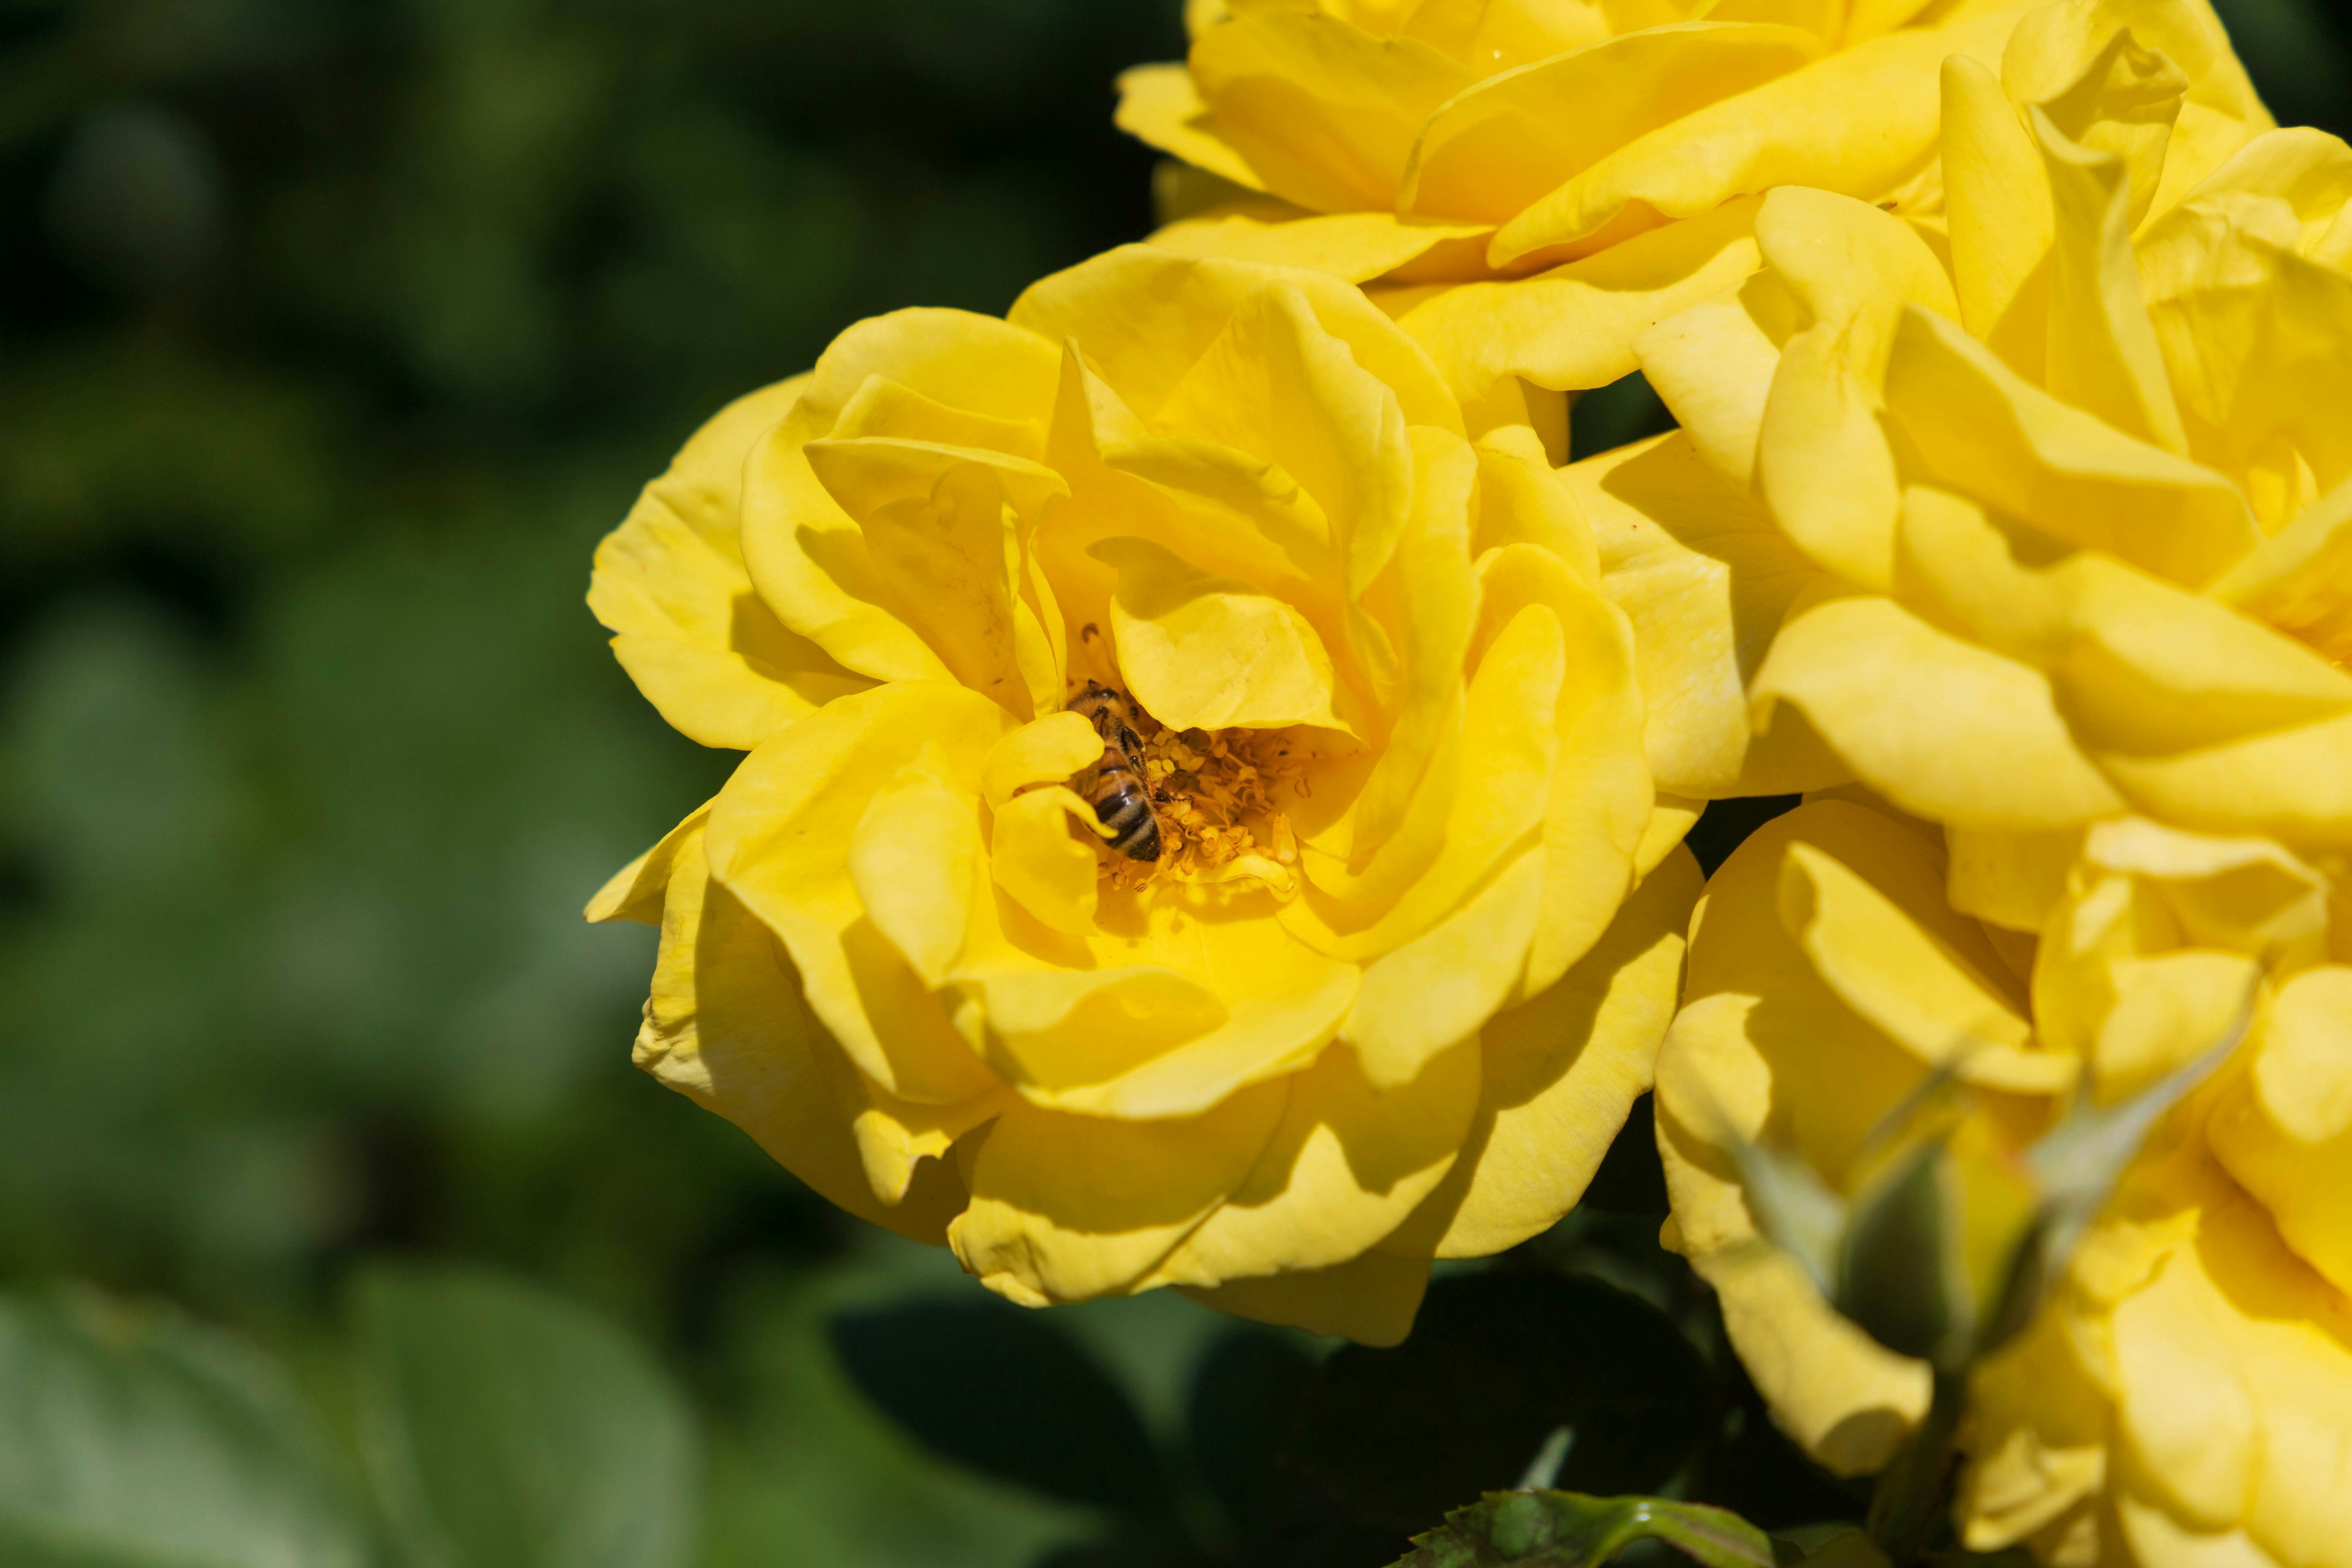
{"type": "Point", "coordinates": [1569, 1529]}
{"type": "Point", "coordinates": [1900, 1273]}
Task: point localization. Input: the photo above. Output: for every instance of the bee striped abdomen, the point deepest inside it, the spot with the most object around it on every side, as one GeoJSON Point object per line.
{"type": "Point", "coordinates": [1122, 802]}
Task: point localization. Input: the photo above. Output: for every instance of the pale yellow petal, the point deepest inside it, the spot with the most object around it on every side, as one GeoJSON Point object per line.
{"type": "Point", "coordinates": [1038, 864]}
{"type": "Point", "coordinates": [1506, 142]}
{"type": "Point", "coordinates": [1349, 1162]}
{"type": "Point", "coordinates": [671, 584]}
{"type": "Point", "coordinates": [915, 860]}
{"type": "Point", "coordinates": [1917, 983]}
{"type": "Point", "coordinates": [1145, 352]}
{"type": "Point", "coordinates": [1203, 652]}
{"type": "Point", "coordinates": [779, 837]}
{"type": "Point", "coordinates": [2296, 579]}
{"type": "Point", "coordinates": [2054, 42]}
{"type": "Point", "coordinates": [1980, 429]}
{"type": "Point", "coordinates": [1324, 112]}
{"type": "Point", "coordinates": [1704, 577]}
{"type": "Point", "coordinates": [726, 1025]}
{"type": "Point", "coordinates": [1072, 1207]}
{"type": "Point", "coordinates": [1713, 367]}
{"type": "Point", "coordinates": [1858, 122]}
{"type": "Point", "coordinates": [2040, 1444]}
{"type": "Point", "coordinates": [1560, 1072]}
{"type": "Point", "coordinates": [1601, 790]}
{"type": "Point", "coordinates": [1574, 326]}
{"type": "Point", "coordinates": [2285, 1131]}
{"type": "Point", "coordinates": [2009, 879]}
{"type": "Point", "coordinates": [1048, 750]}
{"type": "Point", "coordinates": [806, 554]}
{"type": "Point", "coordinates": [1277, 383]}
{"type": "Point", "coordinates": [958, 359]}
{"type": "Point", "coordinates": [1522, 499]}
{"type": "Point", "coordinates": [2294, 783]}
{"type": "Point", "coordinates": [1997, 199]}
{"type": "Point", "coordinates": [1159, 104]}
{"type": "Point", "coordinates": [1495, 810]}
{"type": "Point", "coordinates": [1357, 246]}
{"type": "Point", "coordinates": [2103, 356]}
{"type": "Point", "coordinates": [1237, 1001]}
{"type": "Point", "coordinates": [1823, 464]}
{"type": "Point", "coordinates": [1941, 727]}
{"type": "Point", "coordinates": [2170, 1007]}
{"type": "Point", "coordinates": [1371, 1300]}
{"type": "Point", "coordinates": [635, 890]}
{"type": "Point", "coordinates": [940, 530]}
{"type": "Point", "coordinates": [2248, 894]}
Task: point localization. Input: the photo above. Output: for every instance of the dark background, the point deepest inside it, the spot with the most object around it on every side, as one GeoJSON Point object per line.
{"type": "Point", "coordinates": [332, 335]}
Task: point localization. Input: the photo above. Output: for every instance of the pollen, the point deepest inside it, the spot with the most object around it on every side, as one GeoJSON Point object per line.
{"type": "Point", "coordinates": [1219, 795]}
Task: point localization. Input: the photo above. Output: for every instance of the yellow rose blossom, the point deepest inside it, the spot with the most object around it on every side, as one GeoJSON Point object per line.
{"type": "Point", "coordinates": [2184, 1395]}
{"type": "Point", "coordinates": [1403, 965]}
{"type": "Point", "coordinates": [2038, 516]}
{"type": "Point", "coordinates": [1531, 183]}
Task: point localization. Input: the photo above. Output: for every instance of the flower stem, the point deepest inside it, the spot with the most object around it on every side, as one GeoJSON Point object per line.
{"type": "Point", "coordinates": [1913, 1491]}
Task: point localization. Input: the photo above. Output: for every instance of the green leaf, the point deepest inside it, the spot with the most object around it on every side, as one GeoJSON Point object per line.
{"type": "Point", "coordinates": [1242, 1404]}
{"type": "Point", "coordinates": [510, 1428]}
{"type": "Point", "coordinates": [1006, 1393]}
{"type": "Point", "coordinates": [134, 1439]}
{"type": "Point", "coordinates": [1569, 1529]}
{"type": "Point", "coordinates": [1497, 1361]}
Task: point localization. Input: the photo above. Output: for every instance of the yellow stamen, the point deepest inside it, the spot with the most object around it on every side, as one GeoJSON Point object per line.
{"type": "Point", "coordinates": [1216, 795]}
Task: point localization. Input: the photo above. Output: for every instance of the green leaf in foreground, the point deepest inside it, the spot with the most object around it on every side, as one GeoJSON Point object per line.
{"type": "Point", "coordinates": [132, 1437]}
{"type": "Point", "coordinates": [1569, 1529]}
{"type": "Point", "coordinates": [510, 1428]}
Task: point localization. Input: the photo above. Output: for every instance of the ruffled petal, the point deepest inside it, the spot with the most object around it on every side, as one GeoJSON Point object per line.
{"type": "Point", "coordinates": [1204, 652]}
{"type": "Point", "coordinates": [726, 1026]}
{"type": "Point", "coordinates": [2284, 1131]}
{"type": "Point", "coordinates": [1506, 142]}
{"type": "Point", "coordinates": [1349, 1162]}
{"type": "Point", "coordinates": [1705, 577]}
{"type": "Point", "coordinates": [1574, 326]}
{"type": "Point", "coordinates": [1371, 1300]}
{"type": "Point", "coordinates": [1146, 352]}
{"type": "Point", "coordinates": [1823, 464]}
{"type": "Point", "coordinates": [1158, 104]}
{"type": "Point", "coordinates": [1069, 1207]}
{"type": "Point", "coordinates": [1859, 122]}
{"type": "Point", "coordinates": [808, 556]}
{"type": "Point", "coordinates": [635, 890]}
{"type": "Point", "coordinates": [1977, 428]}
{"type": "Point", "coordinates": [1560, 1073]}
{"type": "Point", "coordinates": [1040, 866]}
{"type": "Point", "coordinates": [1356, 247]}
{"type": "Point", "coordinates": [1713, 367]}
{"type": "Point", "coordinates": [1324, 112]}
{"type": "Point", "coordinates": [1932, 986]}
{"type": "Point", "coordinates": [915, 861]}
{"type": "Point", "coordinates": [1939, 725]}
{"type": "Point", "coordinates": [670, 583]}
{"type": "Point", "coordinates": [781, 838]}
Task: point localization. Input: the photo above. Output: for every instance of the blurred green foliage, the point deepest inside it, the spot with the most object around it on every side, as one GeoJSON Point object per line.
{"type": "Point", "coordinates": [334, 1227]}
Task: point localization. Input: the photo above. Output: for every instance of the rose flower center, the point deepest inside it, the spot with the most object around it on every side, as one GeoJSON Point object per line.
{"type": "Point", "coordinates": [1218, 797]}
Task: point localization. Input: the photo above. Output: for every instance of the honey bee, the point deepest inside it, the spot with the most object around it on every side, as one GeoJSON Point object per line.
{"type": "Point", "coordinates": [1115, 785]}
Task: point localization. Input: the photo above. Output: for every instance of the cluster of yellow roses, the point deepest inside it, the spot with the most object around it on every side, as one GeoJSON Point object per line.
{"type": "Point", "coordinates": [2009, 520]}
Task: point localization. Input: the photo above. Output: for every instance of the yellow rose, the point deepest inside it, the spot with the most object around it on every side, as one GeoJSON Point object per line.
{"type": "Point", "coordinates": [2181, 1399]}
{"type": "Point", "coordinates": [1586, 168]}
{"type": "Point", "coordinates": [1403, 961]}
{"type": "Point", "coordinates": [2060, 528]}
